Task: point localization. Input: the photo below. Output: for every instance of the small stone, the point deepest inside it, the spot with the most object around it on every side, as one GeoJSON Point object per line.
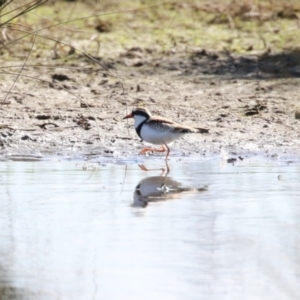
{"type": "Point", "coordinates": [297, 115]}
{"type": "Point", "coordinates": [25, 137]}
{"type": "Point", "coordinates": [231, 160]}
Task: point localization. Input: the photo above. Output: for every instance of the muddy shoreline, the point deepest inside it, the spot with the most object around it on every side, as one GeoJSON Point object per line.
{"type": "Point", "coordinates": [246, 111]}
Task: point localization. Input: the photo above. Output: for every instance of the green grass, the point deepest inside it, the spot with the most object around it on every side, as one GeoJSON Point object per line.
{"type": "Point", "coordinates": [207, 24]}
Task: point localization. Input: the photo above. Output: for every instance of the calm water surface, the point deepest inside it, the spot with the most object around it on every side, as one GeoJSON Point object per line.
{"type": "Point", "coordinates": [72, 230]}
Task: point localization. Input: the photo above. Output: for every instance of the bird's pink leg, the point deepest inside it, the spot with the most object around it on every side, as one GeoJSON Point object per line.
{"type": "Point", "coordinates": [143, 151]}
{"type": "Point", "coordinates": [164, 171]}
{"type": "Point", "coordinates": [168, 152]}
{"type": "Point", "coordinates": [144, 168]}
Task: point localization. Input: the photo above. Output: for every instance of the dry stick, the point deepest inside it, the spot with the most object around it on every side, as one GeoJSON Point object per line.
{"type": "Point", "coordinates": [28, 7]}
{"type": "Point", "coordinates": [54, 40]}
{"type": "Point", "coordinates": [5, 38]}
{"type": "Point", "coordinates": [49, 82]}
{"type": "Point", "coordinates": [49, 20]}
{"type": "Point", "coordinates": [71, 10]}
{"type": "Point", "coordinates": [90, 175]}
{"type": "Point", "coordinates": [22, 68]}
{"type": "Point", "coordinates": [35, 5]}
{"type": "Point", "coordinates": [89, 108]}
{"type": "Point", "coordinates": [68, 90]}
{"type": "Point", "coordinates": [90, 57]}
{"type": "Point", "coordinates": [123, 182]}
{"type": "Point", "coordinates": [66, 44]}
{"type": "Point", "coordinates": [6, 190]}
{"type": "Point", "coordinates": [263, 40]}
{"type": "Point", "coordinates": [17, 7]}
{"type": "Point", "coordinates": [4, 5]}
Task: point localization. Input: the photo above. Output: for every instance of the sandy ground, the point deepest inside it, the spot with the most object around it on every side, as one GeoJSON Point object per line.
{"type": "Point", "coordinates": [247, 103]}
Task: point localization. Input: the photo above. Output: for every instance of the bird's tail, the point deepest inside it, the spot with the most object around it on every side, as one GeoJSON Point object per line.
{"type": "Point", "coordinates": [202, 130]}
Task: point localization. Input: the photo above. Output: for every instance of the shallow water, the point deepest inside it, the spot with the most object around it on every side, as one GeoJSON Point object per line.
{"type": "Point", "coordinates": [74, 230]}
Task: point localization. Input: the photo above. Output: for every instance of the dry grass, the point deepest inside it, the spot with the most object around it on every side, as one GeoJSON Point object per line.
{"type": "Point", "coordinates": [79, 34]}
{"type": "Point", "coordinates": [106, 28]}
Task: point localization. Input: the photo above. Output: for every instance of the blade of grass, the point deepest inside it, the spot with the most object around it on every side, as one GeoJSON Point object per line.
{"type": "Point", "coordinates": [22, 68]}
{"type": "Point", "coordinates": [26, 10]}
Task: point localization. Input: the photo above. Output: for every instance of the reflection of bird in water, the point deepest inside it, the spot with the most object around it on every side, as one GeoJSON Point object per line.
{"type": "Point", "coordinates": [159, 188]}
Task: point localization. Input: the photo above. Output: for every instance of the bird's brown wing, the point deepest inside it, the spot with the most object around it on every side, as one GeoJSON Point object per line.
{"type": "Point", "coordinates": [164, 123]}
{"type": "Point", "coordinates": [161, 120]}
{"type": "Point", "coordinates": [202, 130]}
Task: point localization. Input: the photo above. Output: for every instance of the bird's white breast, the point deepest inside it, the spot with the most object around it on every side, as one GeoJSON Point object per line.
{"type": "Point", "coordinates": [158, 137]}
{"type": "Point", "coordinates": [138, 120]}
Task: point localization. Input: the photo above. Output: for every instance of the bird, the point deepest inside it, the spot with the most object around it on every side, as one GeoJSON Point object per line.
{"type": "Point", "coordinates": [158, 130]}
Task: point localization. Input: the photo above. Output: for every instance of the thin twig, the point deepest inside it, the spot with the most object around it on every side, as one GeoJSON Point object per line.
{"type": "Point", "coordinates": [77, 49]}
{"type": "Point", "coordinates": [26, 10]}
{"type": "Point", "coordinates": [4, 5]}
{"type": "Point", "coordinates": [22, 68]}
{"type": "Point", "coordinates": [123, 182]}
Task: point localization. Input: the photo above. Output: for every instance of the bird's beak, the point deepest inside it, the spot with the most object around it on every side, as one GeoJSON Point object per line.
{"type": "Point", "coordinates": [128, 116]}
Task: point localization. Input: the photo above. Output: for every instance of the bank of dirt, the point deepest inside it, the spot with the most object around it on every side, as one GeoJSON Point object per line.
{"type": "Point", "coordinates": [70, 71]}
{"type": "Point", "coordinates": [247, 104]}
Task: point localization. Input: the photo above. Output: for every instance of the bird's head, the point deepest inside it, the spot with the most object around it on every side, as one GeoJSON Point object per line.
{"type": "Point", "coordinates": [140, 114]}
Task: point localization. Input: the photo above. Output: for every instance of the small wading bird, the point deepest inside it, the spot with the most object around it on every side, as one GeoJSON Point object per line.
{"type": "Point", "coordinates": [157, 130]}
